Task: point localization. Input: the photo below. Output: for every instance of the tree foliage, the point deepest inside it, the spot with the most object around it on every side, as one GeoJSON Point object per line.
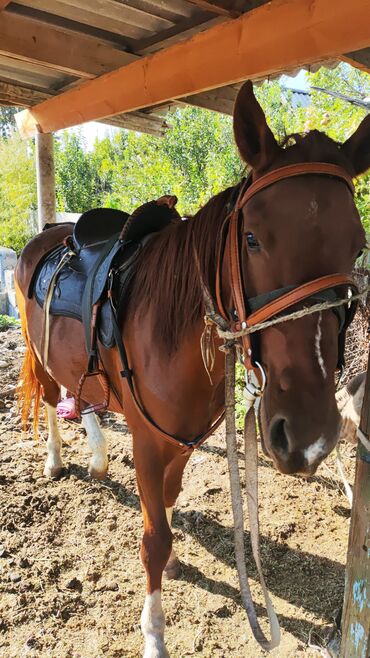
{"type": "Point", "coordinates": [196, 159]}
{"type": "Point", "coordinates": [7, 121]}
{"type": "Point", "coordinates": [17, 192]}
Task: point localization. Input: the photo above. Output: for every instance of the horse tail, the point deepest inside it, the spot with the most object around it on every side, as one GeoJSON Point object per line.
{"type": "Point", "coordinates": [29, 389]}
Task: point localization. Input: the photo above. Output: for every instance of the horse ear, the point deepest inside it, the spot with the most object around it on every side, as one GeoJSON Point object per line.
{"type": "Point", "coordinates": [357, 147]}
{"type": "Point", "coordinates": [254, 139]}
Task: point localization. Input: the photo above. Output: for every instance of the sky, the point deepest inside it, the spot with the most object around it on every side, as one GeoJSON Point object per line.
{"type": "Point", "coordinates": [94, 130]}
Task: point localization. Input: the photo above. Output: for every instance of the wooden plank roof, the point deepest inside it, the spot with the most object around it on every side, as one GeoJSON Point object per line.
{"type": "Point", "coordinates": [50, 46]}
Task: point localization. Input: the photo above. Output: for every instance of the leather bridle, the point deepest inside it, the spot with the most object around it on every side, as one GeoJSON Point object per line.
{"type": "Point", "coordinates": [240, 316]}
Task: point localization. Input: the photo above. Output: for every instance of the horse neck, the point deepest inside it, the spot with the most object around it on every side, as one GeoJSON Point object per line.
{"type": "Point", "coordinates": [172, 268]}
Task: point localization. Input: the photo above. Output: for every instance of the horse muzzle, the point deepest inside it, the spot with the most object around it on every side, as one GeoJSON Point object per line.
{"type": "Point", "coordinates": [292, 454]}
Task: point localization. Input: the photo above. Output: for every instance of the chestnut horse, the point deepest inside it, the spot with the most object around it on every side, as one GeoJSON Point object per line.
{"type": "Point", "coordinates": [292, 231]}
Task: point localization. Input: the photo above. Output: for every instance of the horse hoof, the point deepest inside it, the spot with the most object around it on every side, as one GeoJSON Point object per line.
{"type": "Point", "coordinates": [172, 569]}
{"type": "Point", "coordinates": [53, 472]}
{"type": "Point", "coordinates": [97, 475]}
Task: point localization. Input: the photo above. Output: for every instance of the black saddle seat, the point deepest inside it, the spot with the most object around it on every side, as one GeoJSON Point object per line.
{"type": "Point", "coordinates": [98, 225]}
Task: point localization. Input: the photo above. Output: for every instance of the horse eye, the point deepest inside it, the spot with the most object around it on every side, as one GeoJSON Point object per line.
{"type": "Point", "coordinates": [252, 242]}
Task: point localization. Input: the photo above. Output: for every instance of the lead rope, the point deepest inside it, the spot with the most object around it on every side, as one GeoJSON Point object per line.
{"type": "Point", "coordinates": [251, 465]}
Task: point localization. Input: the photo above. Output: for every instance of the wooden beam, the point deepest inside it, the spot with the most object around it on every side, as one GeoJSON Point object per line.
{"type": "Point", "coordinates": [184, 30]}
{"type": "Point", "coordinates": [15, 95]}
{"type": "Point", "coordinates": [355, 619]}
{"type": "Point", "coordinates": [219, 100]}
{"type": "Point", "coordinates": [278, 36]}
{"type": "Point", "coordinates": [143, 123]}
{"type": "Point", "coordinates": [215, 8]}
{"type": "Point", "coordinates": [107, 15]}
{"type": "Point", "coordinates": [359, 59]}
{"type": "Point", "coordinates": [45, 174]}
{"type": "Point", "coordinates": [18, 96]}
{"type": "Point", "coordinates": [83, 56]}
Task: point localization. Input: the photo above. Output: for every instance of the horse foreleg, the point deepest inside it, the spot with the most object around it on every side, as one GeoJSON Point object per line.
{"type": "Point", "coordinates": [172, 487]}
{"type": "Point", "coordinates": [98, 466]}
{"type": "Point", "coordinates": [155, 547]}
{"type": "Point", "coordinates": [54, 464]}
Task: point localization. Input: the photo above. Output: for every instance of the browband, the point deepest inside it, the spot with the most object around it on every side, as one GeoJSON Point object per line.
{"type": "Point", "coordinates": [300, 169]}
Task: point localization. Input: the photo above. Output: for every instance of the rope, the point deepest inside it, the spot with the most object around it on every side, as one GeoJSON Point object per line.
{"type": "Point", "coordinates": [250, 437]}
{"type": "Point", "coordinates": [346, 484]}
{"type": "Point", "coordinates": [309, 310]}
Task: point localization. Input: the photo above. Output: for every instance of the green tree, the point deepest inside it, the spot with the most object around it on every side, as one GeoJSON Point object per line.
{"type": "Point", "coordinates": [75, 175]}
{"type": "Point", "coordinates": [17, 191]}
{"type": "Point", "coordinates": [339, 118]}
{"type": "Point", "coordinates": [7, 121]}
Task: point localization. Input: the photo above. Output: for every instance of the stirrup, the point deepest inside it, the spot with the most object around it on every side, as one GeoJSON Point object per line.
{"type": "Point", "coordinates": [99, 406]}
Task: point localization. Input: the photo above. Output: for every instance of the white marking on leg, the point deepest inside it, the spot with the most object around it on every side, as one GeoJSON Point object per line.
{"type": "Point", "coordinates": [314, 451]}
{"type": "Point", "coordinates": [318, 347]}
{"type": "Point", "coordinates": [97, 443]}
{"type": "Point", "coordinates": [54, 462]}
{"type": "Point", "coordinates": [153, 625]}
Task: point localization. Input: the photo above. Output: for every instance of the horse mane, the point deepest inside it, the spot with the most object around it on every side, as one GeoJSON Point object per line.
{"type": "Point", "coordinates": [167, 281]}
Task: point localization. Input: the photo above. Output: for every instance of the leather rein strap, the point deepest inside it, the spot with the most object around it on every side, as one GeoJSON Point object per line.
{"type": "Point", "coordinates": [298, 294]}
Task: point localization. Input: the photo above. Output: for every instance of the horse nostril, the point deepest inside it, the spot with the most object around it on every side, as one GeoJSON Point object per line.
{"type": "Point", "coordinates": [279, 439]}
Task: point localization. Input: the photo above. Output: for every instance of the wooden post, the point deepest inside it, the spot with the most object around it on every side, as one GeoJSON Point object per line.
{"type": "Point", "coordinates": [356, 608]}
{"type": "Point", "coordinates": [45, 179]}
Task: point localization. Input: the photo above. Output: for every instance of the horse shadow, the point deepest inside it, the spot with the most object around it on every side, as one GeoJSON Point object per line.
{"type": "Point", "coordinates": [319, 579]}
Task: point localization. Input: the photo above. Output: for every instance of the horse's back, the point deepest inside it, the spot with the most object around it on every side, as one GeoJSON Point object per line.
{"type": "Point", "coordinates": [35, 250]}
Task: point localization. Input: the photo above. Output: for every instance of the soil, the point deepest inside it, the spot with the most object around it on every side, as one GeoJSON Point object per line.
{"type": "Point", "coordinates": [72, 585]}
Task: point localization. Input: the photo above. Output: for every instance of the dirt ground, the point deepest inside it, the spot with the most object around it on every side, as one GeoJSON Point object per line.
{"type": "Point", "coordinates": [71, 582]}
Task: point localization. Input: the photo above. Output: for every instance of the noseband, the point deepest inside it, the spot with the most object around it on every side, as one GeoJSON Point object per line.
{"type": "Point", "coordinates": [249, 312]}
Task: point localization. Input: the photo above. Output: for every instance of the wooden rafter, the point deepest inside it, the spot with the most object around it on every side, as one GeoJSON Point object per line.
{"type": "Point", "coordinates": [30, 41]}
{"type": "Point", "coordinates": [274, 37]}
{"type": "Point", "coordinates": [215, 8]}
{"type": "Point", "coordinates": [16, 95]}
{"type": "Point", "coordinates": [359, 59]}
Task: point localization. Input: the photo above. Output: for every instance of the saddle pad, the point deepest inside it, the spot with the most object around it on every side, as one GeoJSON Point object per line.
{"type": "Point", "coordinates": [73, 286]}
{"type": "Point", "coordinates": [69, 288]}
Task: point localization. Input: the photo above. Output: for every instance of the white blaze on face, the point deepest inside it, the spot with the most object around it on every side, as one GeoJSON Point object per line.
{"type": "Point", "coordinates": [314, 451]}
{"type": "Point", "coordinates": [318, 337]}
{"type": "Point", "coordinates": [153, 625]}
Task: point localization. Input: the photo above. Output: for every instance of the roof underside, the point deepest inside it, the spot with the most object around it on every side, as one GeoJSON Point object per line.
{"type": "Point", "coordinates": [50, 46]}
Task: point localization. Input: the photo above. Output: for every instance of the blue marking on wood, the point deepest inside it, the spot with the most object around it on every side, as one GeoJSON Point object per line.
{"type": "Point", "coordinates": [359, 594]}
{"type": "Point", "coordinates": [358, 633]}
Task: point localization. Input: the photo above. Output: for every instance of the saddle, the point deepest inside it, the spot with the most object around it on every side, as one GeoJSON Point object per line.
{"type": "Point", "coordinates": [87, 276]}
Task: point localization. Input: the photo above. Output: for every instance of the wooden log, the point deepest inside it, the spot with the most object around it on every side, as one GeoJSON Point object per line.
{"type": "Point", "coordinates": [277, 36]}
{"type": "Point", "coordinates": [356, 609]}
{"type": "Point", "coordinates": [45, 180]}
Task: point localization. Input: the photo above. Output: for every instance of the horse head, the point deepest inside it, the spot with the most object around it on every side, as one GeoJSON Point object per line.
{"type": "Point", "coordinates": [291, 232]}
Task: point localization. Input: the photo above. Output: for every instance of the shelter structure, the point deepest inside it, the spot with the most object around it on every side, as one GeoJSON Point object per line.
{"type": "Point", "coordinates": [126, 62]}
